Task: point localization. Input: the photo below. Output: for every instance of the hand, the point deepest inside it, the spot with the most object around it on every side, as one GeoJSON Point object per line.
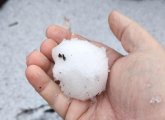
{"type": "Point", "coordinates": [136, 84]}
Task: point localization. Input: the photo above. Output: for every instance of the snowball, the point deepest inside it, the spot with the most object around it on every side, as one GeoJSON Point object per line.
{"type": "Point", "coordinates": [81, 68]}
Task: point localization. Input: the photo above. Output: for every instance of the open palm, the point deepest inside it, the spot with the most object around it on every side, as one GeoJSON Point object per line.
{"type": "Point", "coordinates": [128, 95]}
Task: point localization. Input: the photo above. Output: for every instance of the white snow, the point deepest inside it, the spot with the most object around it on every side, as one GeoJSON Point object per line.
{"type": "Point", "coordinates": [81, 68]}
{"type": "Point", "coordinates": [155, 99]}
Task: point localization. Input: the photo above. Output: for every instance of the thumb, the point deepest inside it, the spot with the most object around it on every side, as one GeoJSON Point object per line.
{"type": "Point", "coordinates": [132, 36]}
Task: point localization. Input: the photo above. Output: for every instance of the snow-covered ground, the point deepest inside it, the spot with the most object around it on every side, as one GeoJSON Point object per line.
{"type": "Point", "coordinates": [22, 29]}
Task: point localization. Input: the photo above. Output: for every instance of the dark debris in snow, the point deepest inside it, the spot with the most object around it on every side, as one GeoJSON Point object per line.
{"type": "Point", "coordinates": [62, 56]}
{"type": "Point", "coordinates": [49, 111]}
{"type": "Point", "coordinates": [2, 2]}
{"type": "Point", "coordinates": [30, 110]}
{"type": "Point", "coordinates": [42, 112]}
{"type": "Point", "coordinates": [13, 24]}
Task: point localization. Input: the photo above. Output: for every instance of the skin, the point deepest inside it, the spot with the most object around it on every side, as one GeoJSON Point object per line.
{"type": "Point", "coordinates": [136, 84]}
